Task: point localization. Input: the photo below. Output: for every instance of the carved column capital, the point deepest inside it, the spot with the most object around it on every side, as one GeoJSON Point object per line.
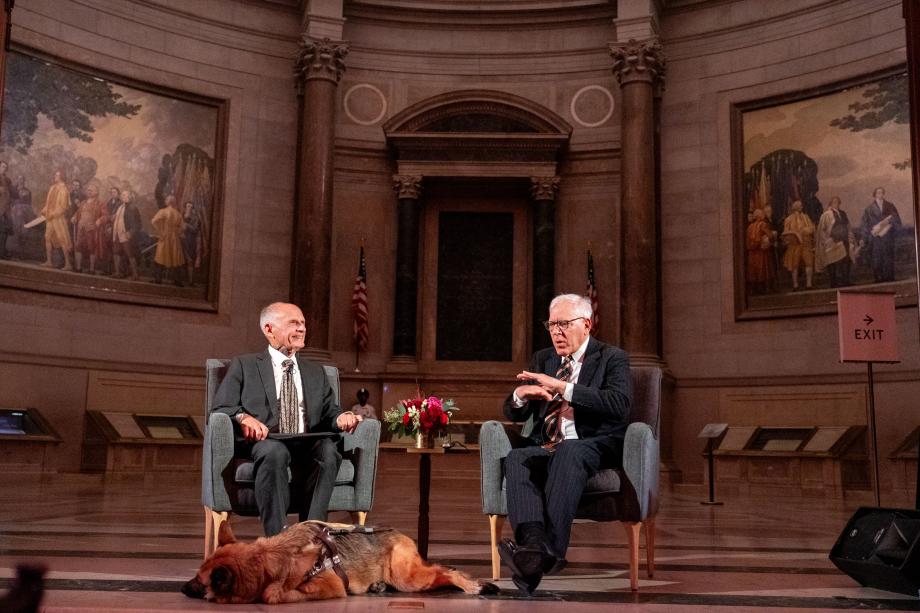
{"type": "Point", "coordinates": [638, 61]}
{"type": "Point", "coordinates": [407, 186]}
{"type": "Point", "coordinates": [544, 188]}
{"type": "Point", "coordinates": [321, 59]}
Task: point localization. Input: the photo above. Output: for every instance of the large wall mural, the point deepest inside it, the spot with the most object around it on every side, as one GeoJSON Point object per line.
{"type": "Point", "coordinates": [823, 197]}
{"type": "Point", "coordinates": [108, 188]}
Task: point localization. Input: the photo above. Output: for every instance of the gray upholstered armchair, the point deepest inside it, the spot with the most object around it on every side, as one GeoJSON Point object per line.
{"type": "Point", "coordinates": [227, 482]}
{"type": "Point", "coordinates": [629, 494]}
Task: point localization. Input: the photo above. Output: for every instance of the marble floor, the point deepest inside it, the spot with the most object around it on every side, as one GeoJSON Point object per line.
{"type": "Point", "coordinates": [128, 545]}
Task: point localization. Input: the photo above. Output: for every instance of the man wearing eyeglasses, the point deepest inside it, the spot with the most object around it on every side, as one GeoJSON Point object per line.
{"type": "Point", "coordinates": [575, 399]}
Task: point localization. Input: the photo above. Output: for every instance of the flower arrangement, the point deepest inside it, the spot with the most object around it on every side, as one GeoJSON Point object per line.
{"type": "Point", "coordinates": [419, 415]}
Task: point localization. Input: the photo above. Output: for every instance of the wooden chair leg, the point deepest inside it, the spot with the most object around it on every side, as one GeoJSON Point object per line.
{"type": "Point", "coordinates": [358, 517]}
{"type": "Point", "coordinates": [633, 530]}
{"type": "Point", "coordinates": [650, 546]}
{"type": "Point", "coordinates": [212, 522]}
{"type": "Point", "coordinates": [495, 532]}
{"type": "Point", "coordinates": [208, 532]}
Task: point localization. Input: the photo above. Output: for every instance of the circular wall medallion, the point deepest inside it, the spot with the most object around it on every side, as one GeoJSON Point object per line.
{"type": "Point", "coordinates": [592, 106]}
{"type": "Point", "coordinates": [365, 104]}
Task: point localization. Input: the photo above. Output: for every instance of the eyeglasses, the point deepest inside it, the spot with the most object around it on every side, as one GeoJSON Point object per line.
{"type": "Point", "coordinates": [563, 324]}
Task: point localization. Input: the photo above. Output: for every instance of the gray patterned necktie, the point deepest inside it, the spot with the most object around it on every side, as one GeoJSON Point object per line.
{"type": "Point", "coordinates": [288, 399]}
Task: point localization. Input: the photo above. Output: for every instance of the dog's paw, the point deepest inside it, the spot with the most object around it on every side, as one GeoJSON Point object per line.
{"type": "Point", "coordinates": [488, 588]}
{"type": "Point", "coordinates": [377, 588]}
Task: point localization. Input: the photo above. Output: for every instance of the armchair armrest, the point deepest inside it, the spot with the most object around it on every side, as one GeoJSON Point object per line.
{"type": "Point", "coordinates": [494, 445]}
{"type": "Point", "coordinates": [364, 443]}
{"type": "Point", "coordinates": [217, 454]}
{"type": "Point", "coordinates": [640, 463]}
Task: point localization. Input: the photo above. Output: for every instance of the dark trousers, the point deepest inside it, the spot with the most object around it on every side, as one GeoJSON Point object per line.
{"type": "Point", "coordinates": [314, 465]}
{"type": "Point", "coordinates": [544, 486]}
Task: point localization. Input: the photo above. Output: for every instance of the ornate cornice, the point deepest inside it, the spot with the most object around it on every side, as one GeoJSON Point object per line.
{"type": "Point", "coordinates": [638, 61]}
{"type": "Point", "coordinates": [321, 59]}
{"type": "Point", "coordinates": [544, 188]}
{"type": "Point", "coordinates": [407, 186]}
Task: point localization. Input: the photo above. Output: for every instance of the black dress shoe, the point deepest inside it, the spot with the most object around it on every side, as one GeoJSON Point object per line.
{"type": "Point", "coordinates": [525, 583]}
{"type": "Point", "coordinates": [528, 585]}
{"type": "Point", "coordinates": [533, 558]}
{"type": "Point", "coordinates": [506, 549]}
{"type": "Point", "coordinates": [558, 567]}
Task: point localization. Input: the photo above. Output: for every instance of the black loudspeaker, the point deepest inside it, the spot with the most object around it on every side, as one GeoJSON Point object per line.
{"type": "Point", "coordinates": [880, 548]}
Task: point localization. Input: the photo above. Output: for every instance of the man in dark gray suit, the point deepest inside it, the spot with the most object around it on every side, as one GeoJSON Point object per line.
{"type": "Point", "coordinates": [575, 399]}
{"type": "Point", "coordinates": [255, 392]}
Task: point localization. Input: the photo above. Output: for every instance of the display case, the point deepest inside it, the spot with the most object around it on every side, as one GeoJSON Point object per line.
{"type": "Point", "coordinates": [131, 443]}
{"type": "Point", "coordinates": [26, 440]}
{"type": "Point", "coordinates": [824, 460]}
{"type": "Point", "coordinates": [904, 465]}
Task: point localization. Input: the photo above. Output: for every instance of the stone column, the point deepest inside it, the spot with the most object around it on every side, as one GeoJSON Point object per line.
{"type": "Point", "coordinates": [639, 67]}
{"type": "Point", "coordinates": [319, 68]}
{"type": "Point", "coordinates": [408, 189]}
{"type": "Point", "coordinates": [543, 191]}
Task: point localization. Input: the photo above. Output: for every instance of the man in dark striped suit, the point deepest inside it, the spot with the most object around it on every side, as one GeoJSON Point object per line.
{"type": "Point", "coordinates": [575, 399]}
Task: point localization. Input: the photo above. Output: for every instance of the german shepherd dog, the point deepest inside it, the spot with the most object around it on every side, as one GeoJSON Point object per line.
{"type": "Point", "coordinates": [289, 567]}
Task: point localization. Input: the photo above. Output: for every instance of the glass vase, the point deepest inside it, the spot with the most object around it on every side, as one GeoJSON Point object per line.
{"type": "Point", "coordinates": [424, 440]}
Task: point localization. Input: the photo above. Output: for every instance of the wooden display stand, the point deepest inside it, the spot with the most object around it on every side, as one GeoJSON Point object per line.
{"type": "Point", "coordinates": [26, 440]}
{"type": "Point", "coordinates": [904, 461]}
{"type": "Point", "coordinates": [811, 460]}
{"type": "Point", "coordinates": [132, 444]}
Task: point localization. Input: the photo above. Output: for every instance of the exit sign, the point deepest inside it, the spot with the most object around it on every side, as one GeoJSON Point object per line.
{"type": "Point", "coordinates": [867, 327]}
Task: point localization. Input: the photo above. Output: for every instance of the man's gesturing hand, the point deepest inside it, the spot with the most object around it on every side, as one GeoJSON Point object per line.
{"type": "Point", "coordinates": [550, 384]}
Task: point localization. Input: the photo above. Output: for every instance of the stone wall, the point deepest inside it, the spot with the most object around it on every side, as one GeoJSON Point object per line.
{"type": "Point", "coordinates": [720, 54]}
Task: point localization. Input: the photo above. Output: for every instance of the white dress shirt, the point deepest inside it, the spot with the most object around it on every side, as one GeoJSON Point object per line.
{"type": "Point", "coordinates": [568, 425]}
{"type": "Point", "coordinates": [277, 358]}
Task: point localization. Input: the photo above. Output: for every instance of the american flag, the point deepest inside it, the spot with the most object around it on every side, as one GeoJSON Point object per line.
{"type": "Point", "coordinates": [359, 304]}
{"type": "Point", "coordinates": [591, 292]}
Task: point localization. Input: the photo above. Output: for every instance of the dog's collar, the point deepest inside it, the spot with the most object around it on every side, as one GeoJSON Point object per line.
{"type": "Point", "coordinates": [328, 558]}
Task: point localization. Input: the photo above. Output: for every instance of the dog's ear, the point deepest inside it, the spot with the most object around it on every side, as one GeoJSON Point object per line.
{"type": "Point", "coordinates": [225, 534]}
{"type": "Point", "coordinates": [222, 580]}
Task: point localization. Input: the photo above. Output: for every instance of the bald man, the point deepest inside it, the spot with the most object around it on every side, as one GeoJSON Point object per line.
{"type": "Point", "coordinates": [252, 394]}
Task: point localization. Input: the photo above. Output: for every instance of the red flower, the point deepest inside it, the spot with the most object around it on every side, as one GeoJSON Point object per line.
{"type": "Point", "coordinates": [405, 418]}
{"type": "Point", "coordinates": [414, 403]}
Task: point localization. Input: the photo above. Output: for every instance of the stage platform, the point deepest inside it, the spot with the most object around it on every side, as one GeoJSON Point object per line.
{"type": "Point", "coordinates": [128, 546]}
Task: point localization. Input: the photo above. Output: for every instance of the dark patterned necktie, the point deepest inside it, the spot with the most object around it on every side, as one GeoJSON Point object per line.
{"type": "Point", "coordinates": [552, 425]}
{"type": "Point", "coordinates": [288, 399]}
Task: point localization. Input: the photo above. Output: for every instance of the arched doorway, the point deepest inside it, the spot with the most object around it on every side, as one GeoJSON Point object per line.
{"type": "Point", "coordinates": [476, 179]}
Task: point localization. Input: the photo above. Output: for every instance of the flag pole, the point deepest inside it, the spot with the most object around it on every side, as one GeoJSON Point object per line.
{"type": "Point", "coordinates": [357, 353]}
{"type": "Point", "coordinates": [355, 334]}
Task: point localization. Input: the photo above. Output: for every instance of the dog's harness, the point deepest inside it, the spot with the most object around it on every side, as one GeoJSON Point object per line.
{"type": "Point", "coordinates": [329, 556]}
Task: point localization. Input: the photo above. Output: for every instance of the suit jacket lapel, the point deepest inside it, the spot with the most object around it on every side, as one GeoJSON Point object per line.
{"type": "Point", "coordinates": [552, 364]}
{"type": "Point", "coordinates": [590, 363]}
{"type": "Point", "coordinates": [268, 380]}
{"type": "Point", "coordinates": [301, 366]}
{"type": "Point", "coordinates": [550, 367]}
